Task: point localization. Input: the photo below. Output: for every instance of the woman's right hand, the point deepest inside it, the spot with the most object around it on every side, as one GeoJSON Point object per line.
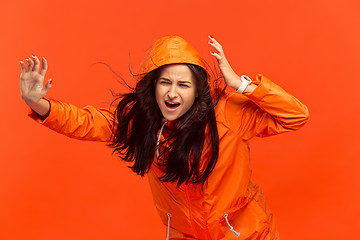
{"type": "Point", "coordinates": [32, 80]}
{"type": "Point", "coordinates": [32, 85]}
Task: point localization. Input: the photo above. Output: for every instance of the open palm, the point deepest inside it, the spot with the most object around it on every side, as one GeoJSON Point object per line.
{"type": "Point", "coordinates": [32, 80]}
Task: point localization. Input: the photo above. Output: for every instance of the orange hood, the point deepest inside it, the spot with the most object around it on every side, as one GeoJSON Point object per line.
{"type": "Point", "coordinates": [169, 50]}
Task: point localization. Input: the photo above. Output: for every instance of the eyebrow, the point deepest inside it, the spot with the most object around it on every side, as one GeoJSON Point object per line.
{"type": "Point", "coordinates": [185, 82]}
{"type": "Point", "coordinates": [164, 78]}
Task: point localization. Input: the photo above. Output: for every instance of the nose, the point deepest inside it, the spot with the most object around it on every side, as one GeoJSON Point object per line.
{"type": "Point", "coordinates": [172, 92]}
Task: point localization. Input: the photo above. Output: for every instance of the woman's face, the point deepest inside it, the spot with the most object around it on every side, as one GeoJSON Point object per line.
{"type": "Point", "coordinates": [175, 91]}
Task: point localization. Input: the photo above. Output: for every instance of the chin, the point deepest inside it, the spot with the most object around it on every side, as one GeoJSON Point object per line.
{"type": "Point", "coordinates": [170, 118]}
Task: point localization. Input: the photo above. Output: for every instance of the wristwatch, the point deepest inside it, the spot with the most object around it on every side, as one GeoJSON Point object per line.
{"type": "Point", "coordinates": [245, 81]}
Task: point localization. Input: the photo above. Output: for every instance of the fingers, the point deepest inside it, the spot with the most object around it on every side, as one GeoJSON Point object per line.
{"type": "Point", "coordinates": [212, 41]}
{"type": "Point", "coordinates": [23, 67]}
{"type": "Point", "coordinates": [36, 63]}
{"type": "Point", "coordinates": [44, 67]}
{"type": "Point", "coordinates": [218, 57]}
{"type": "Point", "coordinates": [30, 64]}
{"type": "Point", "coordinates": [219, 54]}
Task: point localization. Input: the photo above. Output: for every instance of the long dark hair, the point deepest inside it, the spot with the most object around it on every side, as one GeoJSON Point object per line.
{"type": "Point", "coordinates": [139, 120]}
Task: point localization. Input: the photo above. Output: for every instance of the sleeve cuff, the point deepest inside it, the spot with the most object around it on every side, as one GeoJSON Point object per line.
{"type": "Point", "coordinates": [44, 120]}
{"type": "Point", "coordinates": [264, 86]}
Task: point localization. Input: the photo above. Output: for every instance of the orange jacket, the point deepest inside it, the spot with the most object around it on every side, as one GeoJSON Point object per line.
{"type": "Point", "coordinates": [197, 214]}
{"type": "Point", "coordinates": [229, 203]}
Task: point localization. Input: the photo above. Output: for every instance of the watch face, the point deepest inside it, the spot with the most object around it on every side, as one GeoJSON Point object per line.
{"type": "Point", "coordinates": [246, 78]}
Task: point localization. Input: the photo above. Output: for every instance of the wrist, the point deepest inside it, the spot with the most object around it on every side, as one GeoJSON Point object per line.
{"type": "Point", "coordinates": [245, 82]}
{"type": "Point", "coordinates": [41, 107]}
{"type": "Point", "coordinates": [236, 83]}
{"type": "Point", "coordinates": [30, 100]}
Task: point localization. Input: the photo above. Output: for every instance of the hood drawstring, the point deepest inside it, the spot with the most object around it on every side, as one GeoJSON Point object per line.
{"type": "Point", "coordinates": [236, 234]}
{"type": "Point", "coordinates": [158, 155]}
{"type": "Point", "coordinates": [158, 140]}
{"type": "Point", "coordinates": [168, 227]}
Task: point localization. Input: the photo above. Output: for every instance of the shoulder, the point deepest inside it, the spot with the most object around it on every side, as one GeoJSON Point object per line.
{"type": "Point", "coordinates": [230, 105]}
{"type": "Point", "coordinates": [229, 98]}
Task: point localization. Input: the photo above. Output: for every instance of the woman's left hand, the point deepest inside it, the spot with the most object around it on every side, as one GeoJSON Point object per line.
{"type": "Point", "coordinates": [230, 77]}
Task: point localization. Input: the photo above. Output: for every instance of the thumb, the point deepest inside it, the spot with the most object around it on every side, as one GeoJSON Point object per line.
{"type": "Point", "coordinates": [47, 86]}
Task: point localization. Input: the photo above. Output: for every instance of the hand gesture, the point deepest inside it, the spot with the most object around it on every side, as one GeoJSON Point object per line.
{"type": "Point", "coordinates": [230, 77]}
{"type": "Point", "coordinates": [32, 80]}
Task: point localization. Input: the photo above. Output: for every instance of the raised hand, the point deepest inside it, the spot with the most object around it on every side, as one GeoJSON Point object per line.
{"type": "Point", "coordinates": [230, 77]}
{"type": "Point", "coordinates": [32, 85]}
{"type": "Point", "coordinates": [32, 80]}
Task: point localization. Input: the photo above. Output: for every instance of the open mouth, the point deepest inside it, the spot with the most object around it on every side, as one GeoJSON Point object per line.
{"type": "Point", "coordinates": [172, 105]}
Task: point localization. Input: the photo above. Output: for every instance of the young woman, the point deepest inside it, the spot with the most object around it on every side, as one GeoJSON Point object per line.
{"type": "Point", "coordinates": [191, 140]}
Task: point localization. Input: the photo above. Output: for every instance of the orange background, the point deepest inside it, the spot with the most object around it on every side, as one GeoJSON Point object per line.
{"type": "Point", "coordinates": [53, 187]}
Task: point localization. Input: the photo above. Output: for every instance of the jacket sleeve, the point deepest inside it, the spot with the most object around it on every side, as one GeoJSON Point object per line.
{"type": "Point", "coordinates": [87, 123]}
{"type": "Point", "coordinates": [267, 111]}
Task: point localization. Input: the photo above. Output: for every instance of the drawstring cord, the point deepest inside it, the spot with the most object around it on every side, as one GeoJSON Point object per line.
{"type": "Point", "coordinates": [168, 227]}
{"type": "Point", "coordinates": [236, 234]}
{"type": "Point", "coordinates": [158, 155]}
{"type": "Point", "coordinates": [158, 140]}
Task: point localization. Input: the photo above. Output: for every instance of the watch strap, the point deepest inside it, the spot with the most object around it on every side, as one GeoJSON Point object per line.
{"type": "Point", "coordinates": [245, 81]}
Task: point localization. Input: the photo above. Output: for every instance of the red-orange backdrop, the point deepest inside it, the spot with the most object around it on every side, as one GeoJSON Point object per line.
{"type": "Point", "coordinates": [53, 187]}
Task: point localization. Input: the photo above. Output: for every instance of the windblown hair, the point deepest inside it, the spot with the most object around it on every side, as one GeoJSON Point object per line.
{"type": "Point", "coordinates": [139, 121]}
